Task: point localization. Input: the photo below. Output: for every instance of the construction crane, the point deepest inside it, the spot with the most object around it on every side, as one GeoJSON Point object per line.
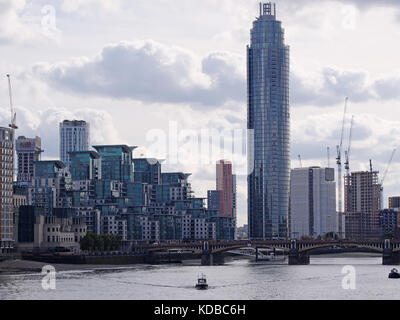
{"type": "Point", "coordinates": [383, 178]}
{"type": "Point", "coordinates": [347, 166]}
{"type": "Point", "coordinates": [387, 168]}
{"type": "Point", "coordinates": [13, 121]}
{"type": "Point", "coordinates": [301, 165]}
{"type": "Point", "coordinates": [347, 152]}
{"type": "Point", "coordinates": [339, 160]}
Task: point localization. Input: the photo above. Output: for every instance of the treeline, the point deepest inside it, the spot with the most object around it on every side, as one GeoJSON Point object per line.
{"type": "Point", "coordinates": [100, 242]}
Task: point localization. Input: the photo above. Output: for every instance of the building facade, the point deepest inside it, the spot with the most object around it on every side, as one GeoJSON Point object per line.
{"type": "Point", "coordinates": [312, 202]}
{"type": "Point", "coordinates": [362, 203]}
{"type": "Point", "coordinates": [224, 182]}
{"type": "Point", "coordinates": [28, 151]}
{"type": "Point", "coordinates": [269, 124]}
{"type": "Point", "coordinates": [394, 202]}
{"type": "Point", "coordinates": [389, 221]}
{"type": "Point", "coordinates": [42, 232]}
{"type": "Point", "coordinates": [6, 190]}
{"type": "Point", "coordinates": [74, 136]}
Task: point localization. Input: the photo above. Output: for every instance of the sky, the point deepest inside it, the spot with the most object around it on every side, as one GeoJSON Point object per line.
{"type": "Point", "coordinates": [163, 74]}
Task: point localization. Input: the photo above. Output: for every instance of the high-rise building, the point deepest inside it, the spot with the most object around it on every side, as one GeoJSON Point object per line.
{"type": "Point", "coordinates": [6, 189]}
{"type": "Point", "coordinates": [28, 151]}
{"type": "Point", "coordinates": [312, 202]}
{"type": "Point", "coordinates": [269, 120]}
{"type": "Point", "coordinates": [394, 202]}
{"type": "Point", "coordinates": [362, 203]}
{"type": "Point", "coordinates": [224, 182]}
{"type": "Point", "coordinates": [85, 165]}
{"type": "Point", "coordinates": [74, 136]}
{"type": "Point", "coordinates": [116, 162]}
{"type": "Point", "coordinates": [51, 187]}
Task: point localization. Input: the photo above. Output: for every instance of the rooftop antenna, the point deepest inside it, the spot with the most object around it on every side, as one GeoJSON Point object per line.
{"type": "Point", "coordinates": [301, 164]}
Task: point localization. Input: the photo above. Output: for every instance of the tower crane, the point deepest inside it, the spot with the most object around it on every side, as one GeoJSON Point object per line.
{"type": "Point", "coordinates": [387, 168]}
{"type": "Point", "coordinates": [347, 152]}
{"type": "Point", "coordinates": [347, 165]}
{"type": "Point", "coordinates": [13, 118]}
{"type": "Point", "coordinates": [339, 160]}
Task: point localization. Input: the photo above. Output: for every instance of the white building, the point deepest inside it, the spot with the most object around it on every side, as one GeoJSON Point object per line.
{"type": "Point", "coordinates": [115, 225]}
{"type": "Point", "coordinates": [74, 136]}
{"type": "Point", "coordinates": [312, 202]}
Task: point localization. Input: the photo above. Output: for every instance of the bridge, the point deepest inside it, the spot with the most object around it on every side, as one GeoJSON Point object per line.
{"type": "Point", "coordinates": [298, 251]}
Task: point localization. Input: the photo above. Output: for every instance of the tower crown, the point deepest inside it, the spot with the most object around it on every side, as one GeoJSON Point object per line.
{"type": "Point", "coordinates": [267, 9]}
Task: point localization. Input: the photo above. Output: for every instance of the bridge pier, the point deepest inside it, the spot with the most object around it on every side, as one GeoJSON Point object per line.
{"type": "Point", "coordinates": [298, 258]}
{"type": "Point", "coordinates": [389, 257]}
{"type": "Point", "coordinates": [212, 259]}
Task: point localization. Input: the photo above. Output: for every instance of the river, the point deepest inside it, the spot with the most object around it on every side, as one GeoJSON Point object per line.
{"type": "Point", "coordinates": [236, 280]}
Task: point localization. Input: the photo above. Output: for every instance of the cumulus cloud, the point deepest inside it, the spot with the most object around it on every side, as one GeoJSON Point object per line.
{"type": "Point", "coordinates": [373, 136]}
{"type": "Point", "coordinates": [156, 73]}
{"type": "Point", "coordinates": [151, 72]}
{"type": "Point", "coordinates": [19, 26]}
{"type": "Point", "coordinates": [85, 7]}
{"type": "Point", "coordinates": [45, 123]}
{"type": "Point", "coordinates": [331, 85]}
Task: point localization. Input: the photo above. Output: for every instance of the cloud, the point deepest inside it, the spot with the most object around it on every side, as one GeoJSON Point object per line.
{"type": "Point", "coordinates": [45, 123]}
{"type": "Point", "coordinates": [331, 85]}
{"type": "Point", "coordinates": [151, 72]}
{"type": "Point", "coordinates": [85, 7]}
{"type": "Point", "coordinates": [373, 136]}
{"type": "Point", "coordinates": [19, 26]}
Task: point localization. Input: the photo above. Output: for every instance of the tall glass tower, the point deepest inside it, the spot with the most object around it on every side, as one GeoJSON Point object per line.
{"type": "Point", "coordinates": [269, 119]}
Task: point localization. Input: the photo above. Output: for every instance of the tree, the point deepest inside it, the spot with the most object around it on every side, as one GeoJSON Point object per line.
{"type": "Point", "coordinates": [102, 242]}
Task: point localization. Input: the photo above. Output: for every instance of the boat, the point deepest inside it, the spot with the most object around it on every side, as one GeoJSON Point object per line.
{"type": "Point", "coordinates": [394, 274]}
{"type": "Point", "coordinates": [202, 283]}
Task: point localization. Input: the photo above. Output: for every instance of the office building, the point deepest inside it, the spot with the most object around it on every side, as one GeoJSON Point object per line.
{"type": "Point", "coordinates": [28, 151]}
{"type": "Point", "coordinates": [269, 123]}
{"type": "Point", "coordinates": [362, 203]}
{"type": "Point", "coordinates": [74, 136]}
{"type": "Point", "coordinates": [389, 221]}
{"type": "Point", "coordinates": [394, 202]}
{"type": "Point", "coordinates": [6, 190]}
{"type": "Point", "coordinates": [312, 202]}
{"type": "Point", "coordinates": [42, 232]}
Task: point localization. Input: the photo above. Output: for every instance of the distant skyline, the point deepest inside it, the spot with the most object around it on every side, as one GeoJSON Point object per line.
{"type": "Point", "coordinates": [128, 67]}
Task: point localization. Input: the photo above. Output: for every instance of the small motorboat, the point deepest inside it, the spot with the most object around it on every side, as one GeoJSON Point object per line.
{"type": "Point", "coordinates": [394, 274]}
{"type": "Point", "coordinates": [202, 283]}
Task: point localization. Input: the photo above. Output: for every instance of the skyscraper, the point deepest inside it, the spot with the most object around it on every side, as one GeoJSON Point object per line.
{"type": "Point", "coordinates": [312, 202]}
{"type": "Point", "coordinates": [6, 189]}
{"type": "Point", "coordinates": [28, 151]}
{"type": "Point", "coordinates": [362, 203]}
{"type": "Point", "coordinates": [269, 119]}
{"type": "Point", "coordinates": [225, 185]}
{"type": "Point", "coordinates": [74, 136]}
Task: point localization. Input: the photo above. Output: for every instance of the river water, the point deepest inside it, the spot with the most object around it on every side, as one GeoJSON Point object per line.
{"type": "Point", "coordinates": [236, 280]}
